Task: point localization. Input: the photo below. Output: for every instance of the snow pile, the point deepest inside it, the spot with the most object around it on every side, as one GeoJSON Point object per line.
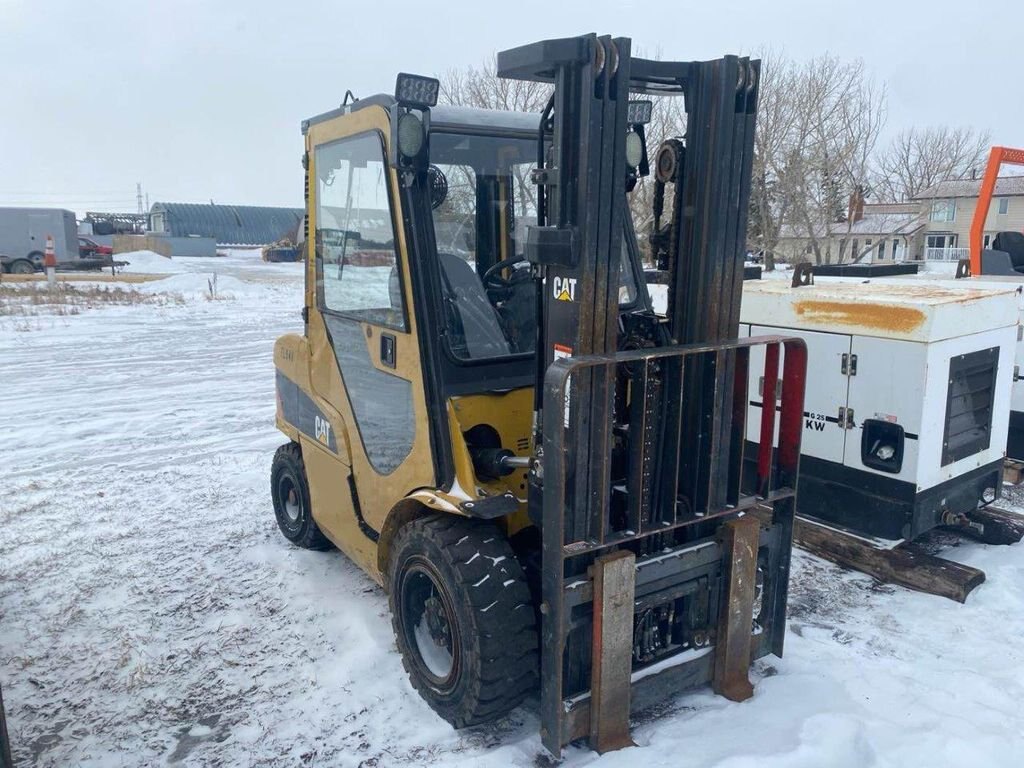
{"type": "Point", "coordinates": [205, 284]}
{"type": "Point", "coordinates": [943, 268]}
{"type": "Point", "coordinates": [152, 614]}
{"type": "Point", "coordinates": [150, 263]}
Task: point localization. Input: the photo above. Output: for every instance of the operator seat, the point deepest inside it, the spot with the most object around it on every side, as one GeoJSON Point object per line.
{"type": "Point", "coordinates": [1011, 243]}
{"type": "Point", "coordinates": [473, 324]}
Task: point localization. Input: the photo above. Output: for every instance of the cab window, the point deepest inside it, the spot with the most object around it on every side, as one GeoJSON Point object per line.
{"type": "Point", "coordinates": [483, 200]}
{"type": "Point", "coordinates": [480, 219]}
{"type": "Point", "coordinates": [357, 265]}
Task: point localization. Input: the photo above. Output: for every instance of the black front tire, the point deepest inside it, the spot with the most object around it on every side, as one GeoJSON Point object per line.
{"type": "Point", "coordinates": [463, 618]}
{"type": "Point", "coordinates": [290, 492]}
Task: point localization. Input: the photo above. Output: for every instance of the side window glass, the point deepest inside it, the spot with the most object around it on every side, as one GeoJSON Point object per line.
{"type": "Point", "coordinates": [357, 267]}
{"type": "Point", "coordinates": [455, 219]}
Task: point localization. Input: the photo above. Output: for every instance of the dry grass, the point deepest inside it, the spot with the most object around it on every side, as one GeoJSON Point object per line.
{"type": "Point", "coordinates": [91, 277]}
{"type": "Point", "coordinates": [26, 300]}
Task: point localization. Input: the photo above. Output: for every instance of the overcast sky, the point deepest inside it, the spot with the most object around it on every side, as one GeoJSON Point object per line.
{"type": "Point", "coordinates": [202, 100]}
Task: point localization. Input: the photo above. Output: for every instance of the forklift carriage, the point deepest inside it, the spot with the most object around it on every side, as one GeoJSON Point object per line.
{"type": "Point", "coordinates": [598, 593]}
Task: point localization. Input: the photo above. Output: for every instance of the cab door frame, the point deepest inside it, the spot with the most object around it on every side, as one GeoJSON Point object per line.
{"type": "Point", "coordinates": [372, 493]}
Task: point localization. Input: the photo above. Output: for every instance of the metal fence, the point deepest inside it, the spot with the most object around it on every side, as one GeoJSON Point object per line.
{"type": "Point", "coordinates": [946, 254]}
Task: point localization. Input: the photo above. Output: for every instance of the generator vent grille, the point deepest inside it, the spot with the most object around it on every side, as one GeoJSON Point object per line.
{"type": "Point", "coordinates": [972, 382]}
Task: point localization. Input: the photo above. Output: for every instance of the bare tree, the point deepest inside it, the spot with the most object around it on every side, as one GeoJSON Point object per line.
{"type": "Point", "coordinates": [481, 87]}
{"type": "Point", "coordinates": [775, 141]}
{"type": "Point", "coordinates": [840, 113]}
{"type": "Point", "coordinates": [817, 131]}
{"type": "Point", "coordinates": [818, 125]}
{"type": "Point", "coordinates": [921, 158]}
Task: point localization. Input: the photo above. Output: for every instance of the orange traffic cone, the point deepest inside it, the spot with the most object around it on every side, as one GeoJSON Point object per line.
{"type": "Point", "coordinates": [50, 261]}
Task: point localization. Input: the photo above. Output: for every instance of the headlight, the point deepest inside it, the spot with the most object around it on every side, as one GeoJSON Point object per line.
{"type": "Point", "coordinates": [410, 134]}
{"type": "Point", "coordinates": [634, 149]}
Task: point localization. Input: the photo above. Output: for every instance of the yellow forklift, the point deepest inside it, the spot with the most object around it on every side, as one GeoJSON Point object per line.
{"type": "Point", "coordinates": [485, 413]}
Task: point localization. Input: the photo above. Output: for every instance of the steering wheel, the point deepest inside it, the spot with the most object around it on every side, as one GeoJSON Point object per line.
{"type": "Point", "coordinates": [492, 277]}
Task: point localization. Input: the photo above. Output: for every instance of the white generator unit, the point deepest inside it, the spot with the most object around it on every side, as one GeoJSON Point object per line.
{"type": "Point", "coordinates": [907, 400]}
{"type": "Point", "coordinates": [1015, 435]}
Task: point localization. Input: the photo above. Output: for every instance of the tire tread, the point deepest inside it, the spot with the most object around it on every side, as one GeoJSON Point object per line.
{"type": "Point", "coordinates": [508, 657]}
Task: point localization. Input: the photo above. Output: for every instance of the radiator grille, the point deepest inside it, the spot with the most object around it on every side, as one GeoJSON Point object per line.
{"type": "Point", "coordinates": [972, 382]}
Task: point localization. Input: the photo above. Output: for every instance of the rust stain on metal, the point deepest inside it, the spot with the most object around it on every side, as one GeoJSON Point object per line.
{"type": "Point", "coordinates": [866, 315]}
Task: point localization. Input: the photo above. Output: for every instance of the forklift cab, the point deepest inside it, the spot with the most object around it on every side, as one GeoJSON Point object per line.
{"type": "Point", "coordinates": [419, 289]}
{"type": "Point", "coordinates": [482, 200]}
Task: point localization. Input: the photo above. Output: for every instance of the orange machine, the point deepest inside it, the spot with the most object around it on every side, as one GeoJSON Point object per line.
{"type": "Point", "coordinates": [997, 157]}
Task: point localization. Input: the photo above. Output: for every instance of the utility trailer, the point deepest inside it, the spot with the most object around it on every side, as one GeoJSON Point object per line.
{"type": "Point", "coordinates": [23, 233]}
{"type": "Point", "coordinates": [907, 407]}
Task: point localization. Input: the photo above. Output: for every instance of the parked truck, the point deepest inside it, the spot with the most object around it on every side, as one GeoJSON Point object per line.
{"type": "Point", "coordinates": [23, 233]}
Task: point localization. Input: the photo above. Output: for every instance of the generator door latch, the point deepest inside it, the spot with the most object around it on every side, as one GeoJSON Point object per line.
{"type": "Point", "coordinates": [845, 419]}
{"type": "Point", "coordinates": [849, 365]}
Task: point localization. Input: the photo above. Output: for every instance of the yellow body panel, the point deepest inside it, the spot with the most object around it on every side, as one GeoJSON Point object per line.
{"type": "Point", "coordinates": [385, 502]}
{"type": "Point", "coordinates": [333, 508]}
{"type": "Point", "coordinates": [511, 415]}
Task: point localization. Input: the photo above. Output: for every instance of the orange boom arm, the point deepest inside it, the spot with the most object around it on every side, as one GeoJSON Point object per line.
{"type": "Point", "coordinates": [997, 157]}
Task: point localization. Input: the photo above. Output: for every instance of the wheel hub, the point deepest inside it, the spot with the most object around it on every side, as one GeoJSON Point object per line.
{"type": "Point", "coordinates": [430, 626]}
{"type": "Point", "coordinates": [437, 622]}
{"type": "Point", "coordinates": [290, 500]}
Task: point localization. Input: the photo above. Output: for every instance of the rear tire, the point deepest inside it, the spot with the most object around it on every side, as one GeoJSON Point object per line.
{"type": "Point", "coordinates": [463, 618]}
{"type": "Point", "coordinates": [290, 492]}
{"type": "Point", "coordinates": [21, 267]}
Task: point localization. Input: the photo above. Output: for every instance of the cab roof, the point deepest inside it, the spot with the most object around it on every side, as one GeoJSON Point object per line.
{"type": "Point", "coordinates": [445, 117]}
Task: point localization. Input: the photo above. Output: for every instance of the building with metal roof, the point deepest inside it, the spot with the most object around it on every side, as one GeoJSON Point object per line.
{"type": "Point", "coordinates": [227, 224]}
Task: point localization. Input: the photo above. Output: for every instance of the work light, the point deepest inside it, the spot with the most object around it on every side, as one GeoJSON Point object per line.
{"type": "Point", "coordinates": [639, 112]}
{"type": "Point", "coordinates": [416, 90]}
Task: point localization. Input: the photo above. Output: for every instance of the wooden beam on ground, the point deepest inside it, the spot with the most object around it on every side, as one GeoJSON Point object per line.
{"type": "Point", "coordinates": [1013, 472]}
{"type": "Point", "coordinates": [906, 565]}
{"type": "Point", "coordinates": [998, 526]}
{"type": "Point", "coordinates": [6, 761]}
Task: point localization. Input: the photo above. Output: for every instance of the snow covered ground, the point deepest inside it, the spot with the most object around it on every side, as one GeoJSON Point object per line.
{"type": "Point", "coordinates": [151, 614]}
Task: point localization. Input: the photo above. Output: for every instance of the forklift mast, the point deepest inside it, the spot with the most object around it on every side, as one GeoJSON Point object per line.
{"type": "Point", "coordinates": [649, 562]}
